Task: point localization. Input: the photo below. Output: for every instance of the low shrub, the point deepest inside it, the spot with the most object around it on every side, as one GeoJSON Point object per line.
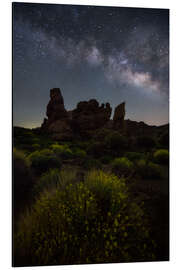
{"type": "Point", "coordinates": [161, 156]}
{"type": "Point", "coordinates": [122, 166]}
{"type": "Point", "coordinates": [79, 153]}
{"type": "Point", "coordinates": [134, 156]}
{"type": "Point", "coordinates": [42, 161]}
{"type": "Point", "coordinates": [22, 180]}
{"type": "Point", "coordinates": [164, 140]}
{"type": "Point", "coordinates": [106, 159]}
{"type": "Point", "coordinates": [96, 149]}
{"type": "Point", "coordinates": [90, 163]}
{"type": "Point", "coordinates": [148, 170]}
{"type": "Point", "coordinates": [116, 142]}
{"type": "Point", "coordinates": [62, 151]}
{"type": "Point", "coordinates": [89, 222]}
{"type": "Point", "coordinates": [146, 142]}
{"type": "Point", "coordinates": [54, 178]}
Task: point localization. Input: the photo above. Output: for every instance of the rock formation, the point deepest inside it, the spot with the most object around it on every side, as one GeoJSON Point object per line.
{"type": "Point", "coordinates": [119, 114]}
{"type": "Point", "coordinates": [89, 116]}
{"type": "Point", "coordinates": [57, 122]}
{"type": "Point", "coordinates": [85, 119]}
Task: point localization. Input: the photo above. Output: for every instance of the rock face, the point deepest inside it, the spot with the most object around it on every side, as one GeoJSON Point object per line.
{"type": "Point", "coordinates": [57, 122]}
{"type": "Point", "coordinates": [85, 119]}
{"type": "Point", "coordinates": [89, 116]}
{"type": "Point", "coordinates": [119, 114]}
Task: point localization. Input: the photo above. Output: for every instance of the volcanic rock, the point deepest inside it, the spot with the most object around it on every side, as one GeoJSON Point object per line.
{"type": "Point", "coordinates": [89, 116]}
{"type": "Point", "coordinates": [119, 114]}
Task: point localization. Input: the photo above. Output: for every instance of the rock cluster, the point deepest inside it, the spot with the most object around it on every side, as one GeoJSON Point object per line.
{"type": "Point", "coordinates": [87, 117]}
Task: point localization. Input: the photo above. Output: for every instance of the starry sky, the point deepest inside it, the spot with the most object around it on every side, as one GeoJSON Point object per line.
{"type": "Point", "coordinates": [112, 54]}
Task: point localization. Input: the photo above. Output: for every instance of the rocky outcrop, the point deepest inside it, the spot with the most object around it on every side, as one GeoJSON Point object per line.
{"type": "Point", "coordinates": [89, 116]}
{"type": "Point", "coordinates": [119, 114]}
{"type": "Point", "coordinates": [85, 119]}
{"type": "Point", "coordinates": [57, 122]}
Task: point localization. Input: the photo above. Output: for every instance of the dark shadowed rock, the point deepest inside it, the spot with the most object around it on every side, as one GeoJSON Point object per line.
{"type": "Point", "coordinates": [57, 122]}
{"type": "Point", "coordinates": [119, 114]}
{"type": "Point", "coordinates": [89, 116]}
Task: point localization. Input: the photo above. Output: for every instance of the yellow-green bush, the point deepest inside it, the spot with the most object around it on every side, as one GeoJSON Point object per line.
{"type": "Point", "coordinates": [42, 161]}
{"type": "Point", "coordinates": [79, 153]}
{"type": "Point", "coordinates": [54, 178]}
{"type": "Point", "coordinates": [122, 166]}
{"type": "Point", "coordinates": [148, 170]}
{"type": "Point", "coordinates": [62, 151]}
{"type": "Point", "coordinates": [93, 221]}
{"type": "Point", "coordinates": [161, 156]}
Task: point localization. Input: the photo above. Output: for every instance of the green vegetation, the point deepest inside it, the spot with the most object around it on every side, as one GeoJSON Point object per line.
{"type": "Point", "coordinates": [122, 166]}
{"type": "Point", "coordinates": [94, 200]}
{"type": "Point", "coordinates": [162, 156]}
{"type": "Point", "coordinates": [22, 180]}
{"type": "Point", "coordinates": [43, 160]}
{"type": "Point", "coordinates": [62, 151]}
{"type": "Point", "coordinates": [65, 223]}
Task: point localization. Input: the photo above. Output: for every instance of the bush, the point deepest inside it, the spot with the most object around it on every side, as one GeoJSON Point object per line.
{"type": "Point", "coordinates": [106, 159]}
{"type": "Point", "coordinates": [116, 142]}
{"type": "Point", "coordinates": [162, 156]}
{"type": "Point", "coordinates": [89, 222]}
{"type": "Point", "coordinates": [79, 153]}
{"type": "Point", "coordinates": [22, 180]}
{"type": "Point", "coordinates": [122, 166]}
{"type": "Point", "coordinates": [134, 156]}
{"type": "Point", "coordinates": [42, 161]}
{"type": "Point", "coordinates": [146, 142]}
{"type": "Point", "coordinates": [62, 151]}
{"type": "Point", "coordinates": [91, 163]}
{"type": "Point", "coordinates": [96, 149]}
{"type": "Point", "coordinates": [54, 178]}
{"type": "Point", "coordinates": [164, 140]}
{"type": "Point", "coordinates": [148, 170]}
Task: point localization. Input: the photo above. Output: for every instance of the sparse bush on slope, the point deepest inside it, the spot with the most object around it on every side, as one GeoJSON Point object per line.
{"type": "Point", "coordinates": [93, 221]}
{"type": "Point", "coordinates": [42, 161]}
{"type": "Point", "coordinates": [148, 170]}
{"type": "Point", "coordinates": [22, 180]}
{"type": "Point", "coordinates": [122, 166]}
{"type": "Point", "coordinates": [62, 151]}
{"type": "Point", "coordinates": [161, 156]}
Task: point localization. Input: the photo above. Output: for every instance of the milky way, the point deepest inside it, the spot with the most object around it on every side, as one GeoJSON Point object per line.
{"type": "Point", "coordinates": [111, 54]}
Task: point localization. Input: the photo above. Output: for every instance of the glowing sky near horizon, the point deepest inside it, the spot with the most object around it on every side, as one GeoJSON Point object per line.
{"type": "Point", "coordinates": [111, 54]}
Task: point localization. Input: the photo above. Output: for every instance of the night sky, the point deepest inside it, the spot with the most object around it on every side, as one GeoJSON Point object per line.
{"type": "Point", "coordinates": [111, 54]}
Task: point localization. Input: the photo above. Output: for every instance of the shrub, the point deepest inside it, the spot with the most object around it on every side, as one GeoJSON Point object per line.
{"type": "Point", "coordinates": [106, 159]}
{"type": "Point", "coordinates": [90, 163]}
{"type": "Point", "coordinates": [89, 222]}
{"type": "Point", "coordinates": [148, 170]}
{"type": "Point", "coordinates": [146, 142]}
{"type": "Point", "coordinates": [22, 180]}
{"type": "Point", "coordinates": [36, 146]}
{"type": "Point", "coordinates": [96, 149]}
{"type": "Point", "coordinates": [122, 166]}
{"type": "Point", "coordinates": [162, 156]}
{"type": "Point", "coordinates": [134, 156]}
{"type": "Point", "coordinates": [79, 153]}
{"type": "Point", "coordinates": [164, 139]}
{"type": "Point", "coordinates": [54, 178]}
{"type": "Point", "coordinates": [42, 161]}
{"type": "Point", "coordinates": [116, 142]}
{"type": "Point", "coordinates": [62, 151]}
